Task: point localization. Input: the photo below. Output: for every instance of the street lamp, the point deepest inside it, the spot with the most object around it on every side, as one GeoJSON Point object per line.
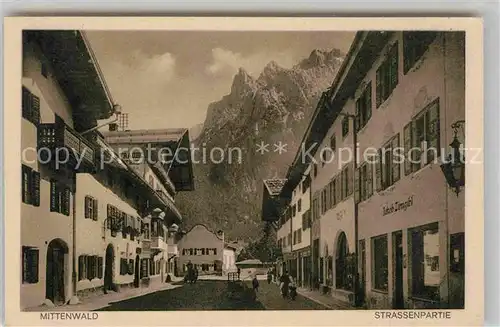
{"type": "Point", "coordinates": [454, 167]}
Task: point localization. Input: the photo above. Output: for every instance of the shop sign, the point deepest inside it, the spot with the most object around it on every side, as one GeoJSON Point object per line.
{"type": "Point", "coordinates": [397, 206]}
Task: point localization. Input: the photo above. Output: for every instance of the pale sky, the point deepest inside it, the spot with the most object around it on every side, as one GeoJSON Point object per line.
{"type": "Point", "coordinates": [167, 79]}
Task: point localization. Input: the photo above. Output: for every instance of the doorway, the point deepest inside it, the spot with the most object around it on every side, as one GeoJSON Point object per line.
{"type": "Point", "coordinates": [136, 271]}
{"type": "Point", "coordinates": [55, 271]}
{"type": "Point", "coordinates": [397, 238]}
{"type": "Point", "coordinates": [108, 269]}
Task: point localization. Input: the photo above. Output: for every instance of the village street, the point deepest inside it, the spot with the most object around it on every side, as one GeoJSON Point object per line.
{"type": "Point", "coordinates": [214, 295]}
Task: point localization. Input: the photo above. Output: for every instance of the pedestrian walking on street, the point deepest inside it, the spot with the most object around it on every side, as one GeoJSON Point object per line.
{"type": "Point", "coordinates": [284, 283]}
{"type": "Point", "coordinates": [255, 284]}
{"type": "Point", "coordinates": [239, 272]}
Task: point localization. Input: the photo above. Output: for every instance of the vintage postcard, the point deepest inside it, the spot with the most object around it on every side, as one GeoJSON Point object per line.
{"type": "Point", "coordinates": [190, 171]}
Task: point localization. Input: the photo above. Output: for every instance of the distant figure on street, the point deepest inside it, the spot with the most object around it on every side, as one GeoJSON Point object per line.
{"type": "Point", "coordinates": [255, 284]}
{"type": "Point", "coordinates": [284, 283]}
{"type": "Point", "coordinates": [239, 272]}
{"type": "Point", "coordinates": [269, 276]}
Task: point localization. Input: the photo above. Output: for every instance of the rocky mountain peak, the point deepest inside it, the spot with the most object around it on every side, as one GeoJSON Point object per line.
{"type": "Point", "coordinates": [242, 82]}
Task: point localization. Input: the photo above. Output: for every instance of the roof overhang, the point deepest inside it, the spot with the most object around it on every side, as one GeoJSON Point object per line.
{"type": "Point", "coordinates": [77, 71]}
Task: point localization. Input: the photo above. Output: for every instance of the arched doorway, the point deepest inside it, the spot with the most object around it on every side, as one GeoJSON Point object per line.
{"type": "Point", "coordinates": [136, 271]}
{"type": "Point", "coordinates": [341, 264]}
{"type": "Point", "coordinates": [109, 268]}
{"type": "Point", "coordinates": [55, 271]}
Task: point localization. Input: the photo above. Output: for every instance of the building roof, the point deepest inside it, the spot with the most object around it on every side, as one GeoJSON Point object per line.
{"type": "Point", "coordinates": [274, 186]}
{"type": "Point", "coordinates": [180, 170]}
{"type": "Point", "coordinates": [167, 135]}
{"type": "Point", "coordinates": [364, 50]}
{"type": "Point", "coordinates": [77, 71]}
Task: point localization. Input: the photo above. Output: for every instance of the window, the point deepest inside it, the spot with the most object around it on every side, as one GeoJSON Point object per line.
{"type": "Point", "coordinates": [315, 208]}
{"type": "Point", "coordinates": [315, 170]}
{"type": "Point", "coordinates": [144, 268]}
{"type": "Point", "coordinates": [422, 138]}
{"type": "Point", "coordinates": [331, 193]}
{"type": "Point", "coordinates": [333, 143]}
{"type": "Point", "coordinates": [346, 180]}
{"type": "Point", "coordinates": [131, 266]}
{"type": "Point", "coordinates": [323, 201]}
{"type": "Point", "coordinates": [100, 267]}
{"type": "Point", "coordinates": [306, 184]}
{"type": "Point", "coordinates": [345, 126]}
{"type": "Point", "coordinates": [289, 238]}
{"type": "Point", "coordinates": [365, 181]}
{"type": "Point", "coordinates": [306, 220]}
{"type": "Point", "coordinates": [145, 231]}
{"type": "Point", "coordinates": [215, 251]}
{"type": "Point", "coordinates": [294, 210]}
{"type": "Point", "coordinates": [30, 265]}
{"type": "Point", "coordinates": [387, 166]}
{"type": "Point", "coordinates": [60, 196]}
{"type": "Point", "coordinates": [30, 184]}
{"type": "Point", "coordinates": [299, 235]}
{"type": "Point", "coordinates": [299, 205]}
{"type": "Point", "coordinates": [364, 108]}
{"type": "Point", "coordinates": [89, 267]}
{"type": "Point", "coordinates": [380, 263]}
{"type": "Point", "coordinates": [425, 262]}
{"type": "Point", "coordinates": [294, 237]}
{"type": "Point", "coordinates": [31, 107]}
{"type": "Point", "coordinates": [387, 75]}
{"type": "Point", "coordinates": [91, 208]}
{"type": "Point", "coordinates": [415, 44]}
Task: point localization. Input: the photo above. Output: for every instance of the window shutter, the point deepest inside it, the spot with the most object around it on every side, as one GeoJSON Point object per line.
{"type": "Point", "coordinates": [433, 131]}
{"type": "Point", "coordinates": [26, 184]}
{"type": "Point", "coordinates": [338, 190]}
{"type": "Point", "coordinates": [396, 169]}
{"type": "Point", "coordinates": [54, 196]}
{"type": "Point", "coordinates": [394, 71]}
{"type": "Point", "coordinates": [35, 109]}
{"type": "Point", "coordinates": [368, 102]}
{"type": "Point", "coordinates": [80, 267]}
{"type": "Point", "coordinates": [407, 142]}
{"type": "Point", "coordinates": [369, 180]}
{"type": "Point", "coordinates": [96, 209]}
{"type": "Point", "coordinates": [378, 87]}
{"type": "Point", "coordinates": [357, 120]}
{"type": "Point", "coordinates": [356, 186]}
{"type": "Point", "coordinates": [350, 172]}
{"type": "Point", "coordinates": [34, 266]}
{"type": "Point", "coordinates": [66, 201]}
{"type": "Point", "coordinates": [26, 104]}
{"type": "Point", "coordinates": [87, 207]}
{"type": "Point", "coordinates": [35, 188]}
{"type": "Point", "coordinates": [378, 172]}
{"type": "Point", "coordinates": [100, 267]}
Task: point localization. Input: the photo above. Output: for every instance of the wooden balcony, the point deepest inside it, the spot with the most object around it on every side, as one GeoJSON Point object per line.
{"type": "Point", "coordinates": [57, 136]}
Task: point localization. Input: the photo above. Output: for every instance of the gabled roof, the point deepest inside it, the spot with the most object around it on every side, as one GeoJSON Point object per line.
{"type": "Point", "coordinates": [274, 186]}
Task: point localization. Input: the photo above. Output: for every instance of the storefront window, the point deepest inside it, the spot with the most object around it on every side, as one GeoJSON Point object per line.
{"type": "Point", "coordinates": [425, 262]}
{"type": "Point", "coordinates": [380, 263]}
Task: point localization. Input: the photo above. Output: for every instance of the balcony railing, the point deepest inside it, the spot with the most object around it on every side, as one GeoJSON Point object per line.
{"type": "Point", "coordinates": [158, 244]}
{"type": "Point", "coordinates": [56, 136]}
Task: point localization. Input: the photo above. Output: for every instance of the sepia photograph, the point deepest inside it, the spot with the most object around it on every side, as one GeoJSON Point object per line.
{"type": "Point", "coordinates": [232, 170]}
